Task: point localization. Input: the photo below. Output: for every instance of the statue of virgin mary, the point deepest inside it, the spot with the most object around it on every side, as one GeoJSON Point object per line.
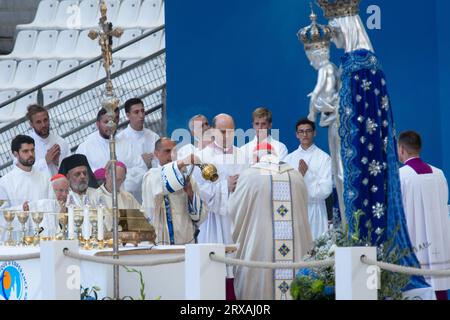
{"type": "Point", "coordinates": [367, 134]}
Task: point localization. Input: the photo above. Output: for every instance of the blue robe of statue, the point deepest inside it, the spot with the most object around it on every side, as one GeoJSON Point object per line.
{"type": "Point", "coordinates": [369, 155]}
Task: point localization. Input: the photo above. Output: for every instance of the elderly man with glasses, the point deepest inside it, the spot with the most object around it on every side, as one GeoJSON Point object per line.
{"type": "Point", "coordinates": [315, 167]}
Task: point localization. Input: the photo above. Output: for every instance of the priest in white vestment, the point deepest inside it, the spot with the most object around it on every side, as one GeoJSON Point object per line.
{"type": "Point", "coordinates": [230, 162]}
{"type": "Point", "coordinates": [270, 213]}
{"type": "Point", "coordinates": [425, 199]}
{"type": "Point", "coordinates": [141, 138]}
{"type": "Point", "coordinates": [262, 124]}
{"type": "Point", "coordinates": [23, 183]}
{"type": "Point", "coordinates": [171, 203]}
{"type": "Point", "coordinates": [50, 148]}
{"type": "Point", "coordinates": [96, 150]}
{"type": "Point", "coordinates": [198, 125]}
{"type": "Point", "coordinates": [125, 200]}
{"type": "Point", "coordinates": [315, 167]}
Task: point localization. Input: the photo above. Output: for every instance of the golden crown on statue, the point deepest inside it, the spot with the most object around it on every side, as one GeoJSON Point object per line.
{"type": "Point", "coordinates": [315, 36]}
{"type": "Point", "coordinates": [339, 8]}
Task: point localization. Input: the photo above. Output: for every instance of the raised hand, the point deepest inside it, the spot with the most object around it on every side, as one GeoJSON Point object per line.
{"type": "Point", "coordinates": [232, 182]}
{"type": "Point", "coordinates": [148, 158]}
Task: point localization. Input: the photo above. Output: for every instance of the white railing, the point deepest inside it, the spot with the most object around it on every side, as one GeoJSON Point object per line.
{"type": "Point", "coordinates": [357, 270]}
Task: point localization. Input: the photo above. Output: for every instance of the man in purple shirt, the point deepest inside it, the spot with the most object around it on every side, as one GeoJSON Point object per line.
{"type": "Point", "coordinates": [425, 198]}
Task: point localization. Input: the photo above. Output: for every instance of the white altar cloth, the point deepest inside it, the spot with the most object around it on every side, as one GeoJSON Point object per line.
{"type": "Point", "coordinates": [164, 281]}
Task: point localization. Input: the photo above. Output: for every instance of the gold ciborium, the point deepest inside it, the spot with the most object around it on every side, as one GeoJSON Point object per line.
{"type": "Point", "coordinates": [23, 216]}
{"type": "Point", "coordinates": [9, 218]}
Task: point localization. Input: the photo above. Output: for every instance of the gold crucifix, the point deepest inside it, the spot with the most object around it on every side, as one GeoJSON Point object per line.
{"type": "Point", "coordinates": [105, 36]}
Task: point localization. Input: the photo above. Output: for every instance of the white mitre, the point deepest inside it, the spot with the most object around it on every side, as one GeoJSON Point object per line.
{"type": "Point", "coordinates": [272, 162]}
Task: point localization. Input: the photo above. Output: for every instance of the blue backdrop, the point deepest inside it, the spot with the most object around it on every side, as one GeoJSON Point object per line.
{"type": "Point", "coordinates": [235, 55]}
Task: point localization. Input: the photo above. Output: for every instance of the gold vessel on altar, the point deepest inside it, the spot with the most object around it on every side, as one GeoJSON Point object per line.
{"type": "Point", "coordinates": [134, 237]}
{"type": "Point", "coordinates": [135, 228]}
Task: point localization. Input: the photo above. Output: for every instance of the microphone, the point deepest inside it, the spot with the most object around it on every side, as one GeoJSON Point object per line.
{"type": "Point", "coordinates": [197, 231]}
{"type": "Point", "coordinates": [39, 231]}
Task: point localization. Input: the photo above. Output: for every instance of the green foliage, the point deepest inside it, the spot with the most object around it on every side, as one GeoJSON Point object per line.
{"type": "Point", "coordinates": [141, 280]}
{"type": "Point", "coordinates": [141, 289]}
{"type": "Point", "coordinates": [308, 288]}
{"type": "Point", "coordinates": [319, 284]}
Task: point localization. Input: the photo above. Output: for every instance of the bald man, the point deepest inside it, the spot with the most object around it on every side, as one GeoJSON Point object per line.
{"type": "Point", "coordinates": [170, 200]}
{"type": "Point", "coordinates": [230, 162]}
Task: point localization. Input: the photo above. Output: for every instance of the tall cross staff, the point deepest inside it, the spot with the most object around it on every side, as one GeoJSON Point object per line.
{"type": "Point", "coordinates": [105, 39]}
{"type": "Point", "coordinates": [110, 103]}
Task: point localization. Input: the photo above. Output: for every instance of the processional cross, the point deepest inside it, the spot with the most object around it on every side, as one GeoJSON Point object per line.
{"type": "Point", "coordinates": [110, 103]}
{"type": "Point", "coordinates": [105, 36]}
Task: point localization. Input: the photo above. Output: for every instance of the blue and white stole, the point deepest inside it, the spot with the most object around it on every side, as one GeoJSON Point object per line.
{"type": "Point", "coordinates": [173, 181]}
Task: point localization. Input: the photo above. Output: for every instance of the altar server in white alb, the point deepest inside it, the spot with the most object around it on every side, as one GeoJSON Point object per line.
{"type": "Point", "coordinates": [270, 215]}
{"type": "Point", "coordinates": [315, 167]}
{"type": "Point", "coordinates": [230, 162]}
{"type": "Point", "coordinates": [50, 149]}
{"type": "Point", "coordinates": [171, 202]}
{"type": "Point", "coordinates": [96, 150]}
{"type": "Point", "coordinates": [198, 125]}
{"type": "Point", "coordinates": [141, 138]}
{"type": "Point", "coordinates": [125, 200]}
{"type": "Point", "coordinates": [425, 198]}
{"type": "Point", "coordinates": [23, 183]}
{"type": "Point", "coordinates": [262, 125]}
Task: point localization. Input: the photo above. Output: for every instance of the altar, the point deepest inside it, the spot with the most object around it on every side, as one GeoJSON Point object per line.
{"type": "Point", "coordinates": [29, 279]}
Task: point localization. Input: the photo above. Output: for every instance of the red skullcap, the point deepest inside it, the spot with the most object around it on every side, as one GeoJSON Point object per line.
{"type": "Point", "coordinates": [57, 176]}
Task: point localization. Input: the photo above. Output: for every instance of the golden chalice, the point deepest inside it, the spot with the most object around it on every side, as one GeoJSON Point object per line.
{"type": "Point", "coordinates": [9, 218]}
{"type": "Point", "coordinates": [78, 220]}
{"type": "Point", "coordinates": [23, 216]}
{"type": "Point", "coordinates": [94, 225]}
{"type": "Point", "coordinates": [63, 220]}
